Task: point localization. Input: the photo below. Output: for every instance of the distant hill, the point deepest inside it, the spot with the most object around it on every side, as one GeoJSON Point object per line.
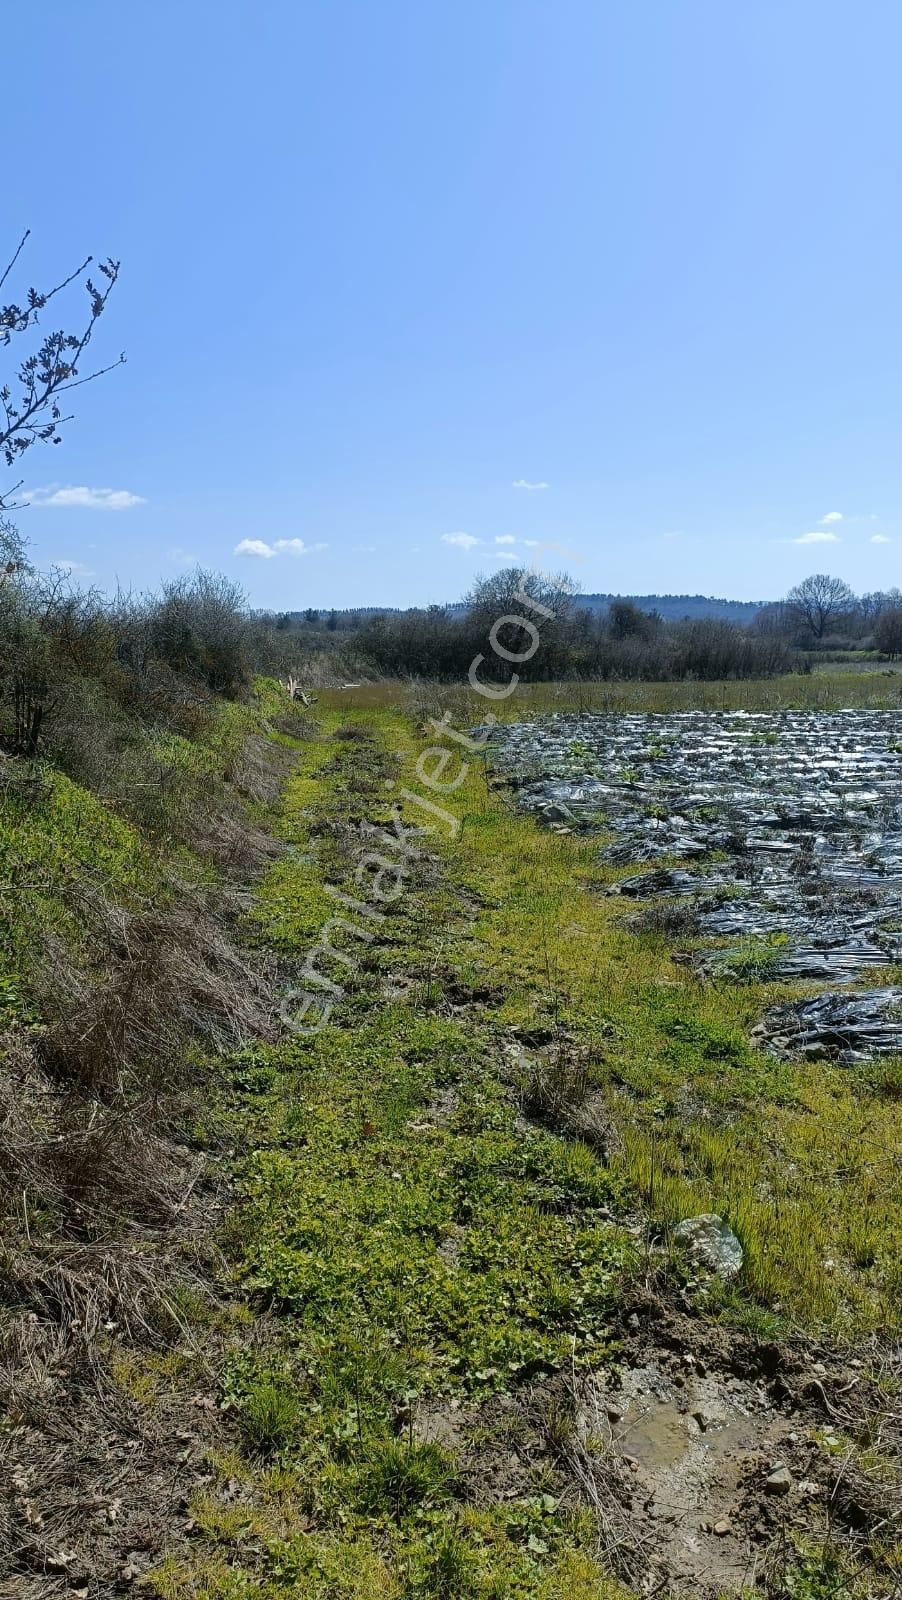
{"type": "Point", "coordinates": [679, 607]}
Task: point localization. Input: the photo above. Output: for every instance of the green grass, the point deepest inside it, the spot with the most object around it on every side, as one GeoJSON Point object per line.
{"type": "Point", "coordinates": [829, 688]}
{"type": "Point", "coordinates": [58, 843]}
{"type": "Point", "coordinates": [407, 1243]}
{"type": "Point", "coordinates": [63, 846]}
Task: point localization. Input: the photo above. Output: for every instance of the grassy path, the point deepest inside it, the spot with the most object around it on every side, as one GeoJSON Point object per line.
{"type": "Point", "coordinates": [424, 1223]}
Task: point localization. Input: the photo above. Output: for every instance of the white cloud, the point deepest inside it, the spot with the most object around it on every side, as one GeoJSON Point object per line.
{"type": "Point", "coordinates": [523, 483]}
{"type": "Point", "coordinates": [533, 544]}
{"type": "Point", "coordinates": [880, 538]}
{"type": "Point", "coordinates": [505, 538]}
{"type": "Point", "coordinates": [817, 537]}
{"type": "Point", "coordinates": [280, 547]}
{"type": "Point", "coordinates": [463, 541]}
{"type": "Point", "coordinates": [83, 498]}
{"type": "Point", "coordinates": [832, 516]}
{"type": "Point", "coordinates": [363, 549]}
{"type": "Point", "coordinates": [255, 547]}
{"type": "Point", "coordinates": [296, 547]}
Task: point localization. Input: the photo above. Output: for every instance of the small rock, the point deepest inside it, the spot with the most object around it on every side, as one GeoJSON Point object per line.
{"type": "Point", "coordinates": [779, 1481]}
{"type": "Point", "coordinates": [633, 1319]}
{"type": "Point", "coordinates": [723, 1527]}
{"type": "Point", "coordinates": [552, 812]}
{"type": "Point", "coordinates": [710, 1241]}
{"type": "Point", "coordinates": [700, 1416]}
{"type": "Point", "coordinates": [614, 1413]}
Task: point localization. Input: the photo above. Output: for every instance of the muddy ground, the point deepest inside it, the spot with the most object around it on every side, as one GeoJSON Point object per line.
{"type": "Point", "coordinates": [706, 1454]}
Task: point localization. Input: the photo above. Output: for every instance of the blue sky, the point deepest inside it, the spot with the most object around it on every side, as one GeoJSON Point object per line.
{"type": "Point", "coordinates": [385, 264]}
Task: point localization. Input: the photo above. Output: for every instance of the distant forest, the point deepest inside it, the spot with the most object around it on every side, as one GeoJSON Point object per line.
{"type": "Point", "coordinates": [669, 607]}
{"type": "Point", "coordinates": [677, 607]}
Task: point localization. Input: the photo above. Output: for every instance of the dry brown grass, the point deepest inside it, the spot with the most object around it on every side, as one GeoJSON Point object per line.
{"type": "Point", "coordinates": [158, 979]}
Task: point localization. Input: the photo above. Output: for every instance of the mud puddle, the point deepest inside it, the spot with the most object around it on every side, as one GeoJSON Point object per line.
{"type": "Point", "coordinates": [699, 1450]}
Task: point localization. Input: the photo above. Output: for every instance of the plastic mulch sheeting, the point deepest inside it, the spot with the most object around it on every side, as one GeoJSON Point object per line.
{"type": "Point", "coordinates": [789, 826]}
{"type": "Point", "coordinates": [848, 1027]}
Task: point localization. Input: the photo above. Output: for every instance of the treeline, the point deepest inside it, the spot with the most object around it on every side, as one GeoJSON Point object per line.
{"type": "Point", "coordinates": [626, 642]}
{"type": "Point", "coordinates": [577, 641]}
{"type": "Point", "coordinates": [823, 613]}
{"type": "Point", "coordinates": [80, 672]}
{"type": "Point", "coordinates": [680, 607]}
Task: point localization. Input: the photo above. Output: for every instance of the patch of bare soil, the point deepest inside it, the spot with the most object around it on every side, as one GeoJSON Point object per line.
{"type": "Point", "coordinates": [96, 1484]}
{"type": "Point", "coordinates": [735, 1443]}
{"type": "Point", "coordinates": [700, 1449]}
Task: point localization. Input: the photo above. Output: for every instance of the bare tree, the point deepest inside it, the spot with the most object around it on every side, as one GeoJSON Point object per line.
{"type": "Point", "coordinates": [47, 365]}
{"type": "Point", "coordinates": [888, 632]}
{"type": "Point", "coordinates": [199, 628]}
{"type": "Point", "coordinates": [492, 596]}
{"type": "Point", "coordinates": [12, 552]}
{"type": "Point", "coordinates": [31, 400]}
{"type": "Point", "coordinates": [818, 601]}
{"type": "Point", "coordinates": [879, 600]}
{"type": "Point", "coordinates": [774, 619]}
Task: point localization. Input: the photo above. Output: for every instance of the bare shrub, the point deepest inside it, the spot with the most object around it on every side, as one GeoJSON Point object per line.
{"type": "Point", "coordinates": [198, 628]}
{"type": "Point", "coordinates": [294, 723]}
{"type": "Point", "coordinates": [259, 770]}
{"type": "Point", "coordinates": [25, 786]}
{"type": "Point", "coordinates": [239, 849]}
{"type": "Point", "coordinates": [556, 1085]}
